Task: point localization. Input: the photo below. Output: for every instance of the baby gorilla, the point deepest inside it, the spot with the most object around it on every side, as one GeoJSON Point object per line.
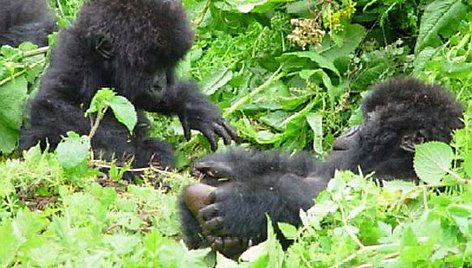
{"type": "Point", "coordinates": [132, 46]}
{"type": "Point", "coordinates": [25, 20]}
{"type": "Point", "coordinates": [229, 214]}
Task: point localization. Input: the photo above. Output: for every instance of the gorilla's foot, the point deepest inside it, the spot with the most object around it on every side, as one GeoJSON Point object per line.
{"type": "Point", "coordinates": [197, 196]}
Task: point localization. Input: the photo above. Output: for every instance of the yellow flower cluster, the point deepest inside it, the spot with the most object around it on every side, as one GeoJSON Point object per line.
{"type": "Point", "coordinates": [345, 13]}
{"type": "Point", "coordinates": [306, 32]}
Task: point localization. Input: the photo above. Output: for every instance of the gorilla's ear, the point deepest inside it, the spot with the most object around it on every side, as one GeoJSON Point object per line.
{"type": "Point", "coordinates": [104, 47]}
{"type": "Point", "coordinates": [409, 140]}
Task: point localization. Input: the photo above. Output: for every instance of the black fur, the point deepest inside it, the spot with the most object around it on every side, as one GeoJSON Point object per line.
{"type": "Point", "coordinates": [396, 113]}
{"type": "Point", "coordinates": [133, 47]}
{"type": "Point", "coordinates": [25, 20]}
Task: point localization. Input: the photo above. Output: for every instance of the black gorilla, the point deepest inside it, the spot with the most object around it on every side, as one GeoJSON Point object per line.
{"type": "Point", "coordinates": [25, 20]}
{"type": "Point", "coordinates": [397, 115]}
{"type": "Point", "coordinates": [133, 47]}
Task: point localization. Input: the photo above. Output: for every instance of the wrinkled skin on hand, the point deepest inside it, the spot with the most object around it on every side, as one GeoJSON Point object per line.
{"type": "Point", "coordinates": [209, 122]}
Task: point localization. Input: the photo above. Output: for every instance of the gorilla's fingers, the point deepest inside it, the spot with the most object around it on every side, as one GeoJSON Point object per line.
{"type": "Point", "coordinates": [231, 247]}
{"type": "Point", "coordinates": [230, 130]}
{"type": "Point", "coordinates": [214, 169]}
{"type": "Point", "coordinates": [185, 126]}
{"type": "Point", "coordinates": [208, 212]}
{"type": "Point", "coordinates": [221, 131]}
{"type": "Point", "coordinates": [213, 226]}
{"type": "Point", "coordinates": [211, 138]}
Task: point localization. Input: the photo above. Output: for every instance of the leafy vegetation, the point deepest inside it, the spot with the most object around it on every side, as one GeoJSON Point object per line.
{"type": "Point", "coordinates": [288, 75]}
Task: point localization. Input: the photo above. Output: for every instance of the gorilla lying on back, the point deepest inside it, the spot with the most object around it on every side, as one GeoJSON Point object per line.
{"type": "Point", "coordinates": [133, 47]}
{"type": "Point", "coordinates": [25, 20]}
{"type": "Point", "coordinates": [230, 214]}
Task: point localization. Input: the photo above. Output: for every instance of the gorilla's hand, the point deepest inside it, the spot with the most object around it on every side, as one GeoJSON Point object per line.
{"type": "Point", "coordinates": [205, 117]}
{"type": "Point", "coordinates": [213, 170]}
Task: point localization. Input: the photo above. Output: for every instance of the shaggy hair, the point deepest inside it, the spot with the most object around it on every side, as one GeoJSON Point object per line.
{"type": "Point", "coordinates": [25, 20]}
{"type": "Point", "coordinates": [279, 185]}
{"type": "Point", "coordinates": [133, 47]}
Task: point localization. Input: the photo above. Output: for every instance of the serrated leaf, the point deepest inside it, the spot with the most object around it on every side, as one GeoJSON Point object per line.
{"type": "Point", "coordinates": [432, 161]}
{"type": "Point", "coordinates": [423, 57]}
{"type": "Point", "coordinates": [73, 151]}
{"type": "Point", "coordinates": [124, 111]}
{"type": "Point", "coordinates": [438, 16]}
{"type": "Point", "coordinates": [99, 100]}
{"type": "Point", "coordinates": [12, 99]}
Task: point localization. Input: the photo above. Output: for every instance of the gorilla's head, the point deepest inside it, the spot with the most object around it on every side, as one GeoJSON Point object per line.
{"type": "Point", "coordinates": [134, 43]}
{"type": "Point", "coordinates": [398, 114]}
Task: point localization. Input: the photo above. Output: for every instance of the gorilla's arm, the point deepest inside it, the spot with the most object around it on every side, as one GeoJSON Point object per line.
{"type": "Point", "coordinates": [193, 108]}
{"type": "Point", "coordinates": [26, 20]}
{"type": "Point", "coordinates": [36, 32]}
{"type": "Point", "coordinates": [246, 165]}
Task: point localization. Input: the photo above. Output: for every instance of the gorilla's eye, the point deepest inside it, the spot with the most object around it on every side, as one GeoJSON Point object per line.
{"type": "Point", "coordinates": [105, 48]}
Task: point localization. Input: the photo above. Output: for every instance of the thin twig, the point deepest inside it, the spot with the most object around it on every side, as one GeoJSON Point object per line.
{"type": "Point", "coordinates": [274, 77]}
{"type": "Point", "coordinates": [346, 226]}
{"type": "Point", "coordinates": [35, 52]}
{"type": "Point", "coordinates": [202, 14]}
{"type": "Point", "coordinates": [96, 124]}
{"type": "Point", "coordinates": [22, 72]}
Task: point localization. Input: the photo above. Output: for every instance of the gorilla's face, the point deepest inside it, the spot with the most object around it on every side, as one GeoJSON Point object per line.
{"type": "Point", "coordinates": [139, 42]}
{"type": "Point", "coordinates": [375, 146]}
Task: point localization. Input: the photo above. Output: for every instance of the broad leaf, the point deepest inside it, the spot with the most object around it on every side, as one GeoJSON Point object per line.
{"type": "Point", "coordinates": [441, 16]}
{"type": "Point", "coordinates": [124, 111]}
{"type": "Point", "coordinates": [100, 99]}
{"type": "Point", "coordinates": [432, 161]}
{"type": "Point", "coordinates": [73, 152]}
{"type": "Point", "coordinates": [12, 99]}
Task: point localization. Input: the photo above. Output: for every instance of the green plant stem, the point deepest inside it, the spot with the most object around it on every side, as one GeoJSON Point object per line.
{"type": "Point", "coordinates": [202, 14]}
{"type": "Point", "coordinates": [346, 224]}
{"type": "Point", "coordinates": [274, 77]}
{"type": "Point", "coordinates": [96, 124]}
{"type": "Point", "coordinates": [35, 52]}
{"type": "Point", "coordinates": [18, 74]}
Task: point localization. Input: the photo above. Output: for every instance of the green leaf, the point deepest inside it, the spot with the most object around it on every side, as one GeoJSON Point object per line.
{"type": "Point", "coordinates": [354, 35]}
{"type": "Point", "coordinates": [423, 58]}
{"type": "Point", "coordinates": [439, 16]}
{"type": "Point", "coordinates": [73, 151]}
{"type": "Point", "coordinates": [9, 244]}
{"type": "Point", "coordinates": [315, 121]}
{"type": "Point", "coordinates": [432, 161]}
{"type": "Point", "coordinates": [462, 215]}
{"type": "Point", "coordinates": [289, 231]}
{"type": "Point", "coordinates": [216, 80]}
{"type": "Point", "coordinates": [12, 99]}
{"type": "Point", "coordinates": [122, 243]}
{"type": "Point", "coordinates": [315, 57]}
{"type": "Point", "coordinates": [99, 100]}
{"type": "Point", "coordinates": [124, 111]}
{"type": "Point", "coordinates": [468, 164]}
{"type": "Point", "coordinates": [122, 108]}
